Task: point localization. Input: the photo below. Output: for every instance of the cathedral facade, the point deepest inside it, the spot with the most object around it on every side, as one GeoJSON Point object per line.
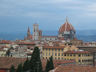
{"type": "Point", "coordinates": [66, 32]}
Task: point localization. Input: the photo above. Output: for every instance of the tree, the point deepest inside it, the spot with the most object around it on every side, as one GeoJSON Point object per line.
{"type": "Point", "coordinates": [19, 69]}
{"type": "Point", "coordinates": [12, 69]}
{"type": "Point", "coordinates": [26, 66]}
{"type": "Point", "coordinates": [49, 64]}
{"type": "Point", "coordinates": [35, 61]}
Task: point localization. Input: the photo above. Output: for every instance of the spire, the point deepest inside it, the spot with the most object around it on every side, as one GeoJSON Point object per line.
{"type": "Point", "coordinates": [66, 19]}
{"type": "Point", "coordinates": [66, 23]}
{"type": "Point", "coordinates": [28, 29]}
{"type": "Point", "coordinates": [28, 32]}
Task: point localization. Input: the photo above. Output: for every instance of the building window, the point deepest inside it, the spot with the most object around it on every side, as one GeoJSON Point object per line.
{"type": "Point", "coordinates": [82, 60]}
{"type": "Point", "coordinates": [64, 54]}
{"type": "Point", "coordinates": [67, 54]}
{"type": "Point", "coordinates": [59, 50]}
{"type": "Point", "coordinates": [55, 54]}
{"type": "Point", "coordinates": [74, 55]}
{"type": "Point", "coordinates": [49, 54]}
{"type": "Point", "coordinates": [88, 55]}
{"type": "Point", "coordinates": [43, 53]}
{"type": "Point", "coordinates": [70, 54]}
{"type": "Point", "coordinates": [55, 49]}
{"type": "Point", "coordinates": [79, 61]}
{"type": "Point", "coordinates": [52, 54]}
{"type": "Point", "coordinates": [58, 54]}
{"type": "Point", "coordinates": [79, 55]}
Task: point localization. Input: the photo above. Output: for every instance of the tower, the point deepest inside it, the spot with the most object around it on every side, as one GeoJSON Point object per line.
{"type": "Point", "coordinates": [35, 32]}
{"type": "Point", "coordinates": [28, 32]}
{"type": "Point", "coordinates": [29, 36]}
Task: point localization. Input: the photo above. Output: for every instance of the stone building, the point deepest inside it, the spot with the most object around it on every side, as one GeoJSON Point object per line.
{"type": "Point", "coordinates": [68, 53]}
{"type": "Point", "coordinates": [66, 32]}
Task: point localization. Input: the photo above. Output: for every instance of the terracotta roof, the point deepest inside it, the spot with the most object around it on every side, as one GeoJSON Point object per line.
{"type": "Point", "coordinates": [56, 62]}
{"type": "Point", "coordinates": [6, 62]}
{"type": "Point", "coordinates": [61, 38]}
{"type": "Point", "coordinates": [2, 49]}
{"type": "Point", "coordinates": [54, 47]}
{"type": "Point", "coordinates": [24, 43]}
{"type": "Point", "coordinates": [75, 38]}
{"type": "Point", "coordinates": [75, 68]}
{"type": "Point", "coordinates": [4, 46]}
{"type": "Point", "coordinates": [76, 52]}
{"type": "Point", "coordinates": [29, 53]}
{"type": "Point", "coordinates": [5, 42]}
{"type": "Point", "coordinates": [66, 27]}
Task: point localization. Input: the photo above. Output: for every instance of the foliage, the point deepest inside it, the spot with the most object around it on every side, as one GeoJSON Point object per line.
{"type": "Point", "coordinates": [35, 62]}
{"type": "Point", "coordinates": [26, 66]}
{"type": "Point", "coordinates": [12, 69]}
{"type": "Point", "coordinates": [49, 64]}
{"type": "Point", "coordinates": [20, 68]}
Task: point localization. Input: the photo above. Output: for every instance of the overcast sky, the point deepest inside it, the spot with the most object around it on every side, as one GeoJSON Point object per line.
{"type": "Point", "coordinates": [17, 15]}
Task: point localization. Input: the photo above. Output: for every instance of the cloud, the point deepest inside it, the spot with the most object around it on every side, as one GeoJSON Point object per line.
{"type": "Point", "coordinates": [90, 10]}
{"type": "Point", "coordinates": [42, 8]}
{"type": "Point", "coordinates": [49, 11]}
{"type": "Point", "coordinates": [92, 7]}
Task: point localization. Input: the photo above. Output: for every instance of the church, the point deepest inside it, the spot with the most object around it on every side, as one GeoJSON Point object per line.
{"type": "Point", "coordinates": [66, 32]}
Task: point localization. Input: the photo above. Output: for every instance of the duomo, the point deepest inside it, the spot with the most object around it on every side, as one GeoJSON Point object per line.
{"type": "Point", "coordinates": [66, 33]}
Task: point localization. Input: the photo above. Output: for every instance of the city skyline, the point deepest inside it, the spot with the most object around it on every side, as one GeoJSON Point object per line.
{"type": "Point", "coordinates": [16, 16]}
{"type": "Point", "coordinates": [47, 35]}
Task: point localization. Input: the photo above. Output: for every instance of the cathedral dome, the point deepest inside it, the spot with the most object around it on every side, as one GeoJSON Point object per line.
{"type": "Point", "coordinates": [66, 27]}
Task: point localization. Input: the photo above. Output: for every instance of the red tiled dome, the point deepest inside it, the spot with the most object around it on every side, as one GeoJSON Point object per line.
{"type": "Point", "coordinates": [66, 27]}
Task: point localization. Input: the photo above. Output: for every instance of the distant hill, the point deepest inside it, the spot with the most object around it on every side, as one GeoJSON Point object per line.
{"type": "Point", "coordinates": [85, 35]}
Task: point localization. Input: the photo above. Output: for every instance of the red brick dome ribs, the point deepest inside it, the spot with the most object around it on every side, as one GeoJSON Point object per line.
{"type": "Point", "coordinates": [66, 27]}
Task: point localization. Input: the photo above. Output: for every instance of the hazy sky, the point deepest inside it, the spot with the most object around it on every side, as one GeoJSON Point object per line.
{"type": "Point", "coordinates": [17, 15]}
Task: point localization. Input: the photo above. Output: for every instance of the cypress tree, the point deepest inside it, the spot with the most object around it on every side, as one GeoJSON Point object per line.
{"type": "Point", "coordinates": [12, 69]}
{"type": "Point", "coordinates": [49, 64]}
{"type": "Point", "coordinates": [35, 61]}
{"type": "Point", "coordinates": [26, 66]}
{"type": "Point", "coordinates": [19, 69]}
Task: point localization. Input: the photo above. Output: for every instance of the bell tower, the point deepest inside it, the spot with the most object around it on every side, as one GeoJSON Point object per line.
{"type": "Point", "coordinates": [35, 32]}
